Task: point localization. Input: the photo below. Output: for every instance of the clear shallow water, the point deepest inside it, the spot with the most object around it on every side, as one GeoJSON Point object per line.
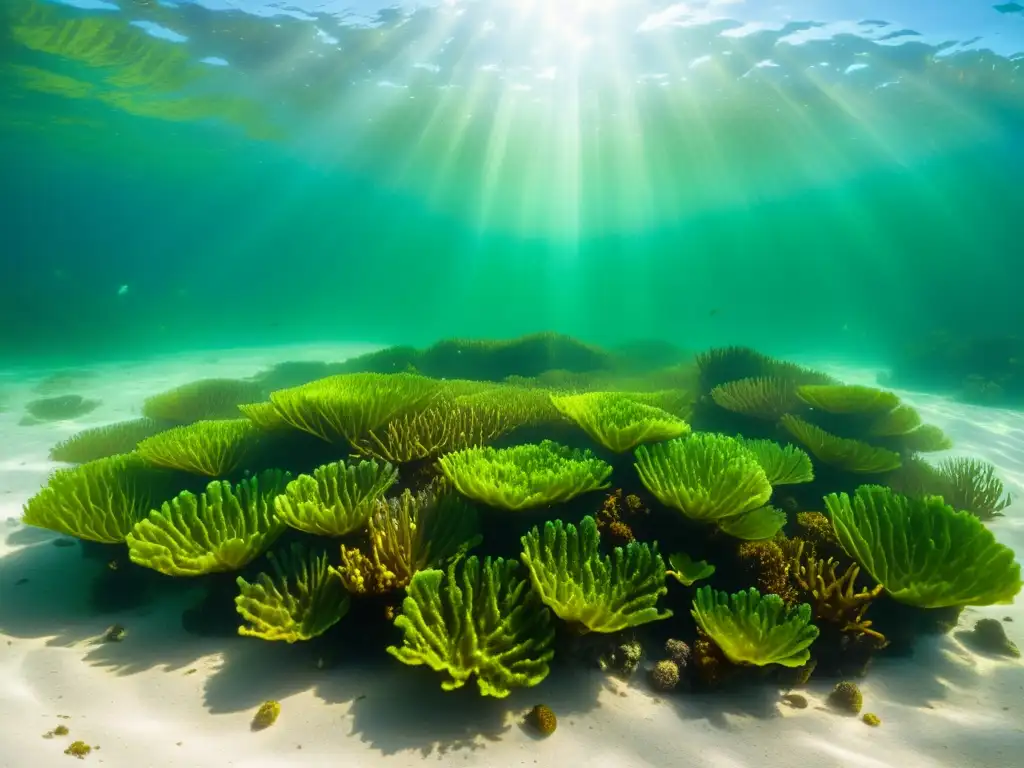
{"type": "Point", "coordinates": [805, 177]}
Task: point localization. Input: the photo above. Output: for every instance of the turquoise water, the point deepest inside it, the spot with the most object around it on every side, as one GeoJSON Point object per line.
{"type": "Point", "coordinates": [820, 178]}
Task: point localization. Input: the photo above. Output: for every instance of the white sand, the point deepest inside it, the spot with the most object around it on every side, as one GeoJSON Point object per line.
{"type": "Point", "coordinates": [164, 697]}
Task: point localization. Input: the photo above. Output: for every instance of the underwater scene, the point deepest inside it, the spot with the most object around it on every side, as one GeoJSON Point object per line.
{"type": "Point", "coordinates": [511, 383]}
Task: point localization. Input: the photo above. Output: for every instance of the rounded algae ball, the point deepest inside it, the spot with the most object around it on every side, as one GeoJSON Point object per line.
{"type": "Point", "coordinates": [266, 715]}
{"type": "Point", "coordinates": [678, 651]}
{"type": "Point", "coordinates": [870, 718]}
{"type": "Point", "coordinates": [847, 697]}
{"type": "Point", "coordinates": [665, 675]}
{"type": "Point", "coordinates": [542, 719]}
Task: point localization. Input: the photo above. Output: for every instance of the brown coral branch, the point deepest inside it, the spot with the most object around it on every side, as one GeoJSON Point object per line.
{"type": "Point", "coordinates": [834, 597]}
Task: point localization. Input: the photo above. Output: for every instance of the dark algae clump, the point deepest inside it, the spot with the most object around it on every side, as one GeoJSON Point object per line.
{"type": "Point", "coordinates": [989, 635]}
{"type": "Point", "coordinates": [490, 528]}
{"type": "Point", "coordinates": [58, 408]}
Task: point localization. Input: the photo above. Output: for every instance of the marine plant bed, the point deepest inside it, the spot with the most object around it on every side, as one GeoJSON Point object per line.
{"type": "Point", "coordinates": [738, 521]}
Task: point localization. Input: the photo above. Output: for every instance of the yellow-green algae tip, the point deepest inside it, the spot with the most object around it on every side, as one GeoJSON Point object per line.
{"type": "Point", "coordinates": [78, 749]}
{"type": "Point", "coordinates": [872, 719]}
{"type": "Point", "coordinates": [542, 719]}
{"type": "Point", "coordinates": [266, 715]}
{"type": "Point", "coordinates": [847, 697]}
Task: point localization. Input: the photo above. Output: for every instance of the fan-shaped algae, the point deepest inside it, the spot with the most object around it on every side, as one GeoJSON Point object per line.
{"type": "Point", "coordinates": [756, 629]}
{"type": "Point", "coordinates": [525, 476]}
{"type": "Point", "coordinates": [300, 600]}
{"type": "Point", "coordinates": [336, 499]}
{"type": "Point", "coordinates": [618, 422]}
{"type": "Point", "coordinates": [478, 619]}
{"type": "Point", "coordinates": [223, 529]}
{"type": "Point", "coordinates": [599, 594]}
{"type": "Point", "coordinates": [707, 476]}
{"type": "Point", "coordinates": [922, 551]}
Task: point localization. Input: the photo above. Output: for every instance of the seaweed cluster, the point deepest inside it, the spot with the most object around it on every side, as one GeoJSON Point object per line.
{"type": "Point", "coordinates": [983, 369]}
{"type": "Point", "coordinates": [466, 513]}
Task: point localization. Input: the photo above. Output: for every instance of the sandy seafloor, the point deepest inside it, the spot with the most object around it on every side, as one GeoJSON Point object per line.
{"type": "Point", "coordinates": [164, 697]}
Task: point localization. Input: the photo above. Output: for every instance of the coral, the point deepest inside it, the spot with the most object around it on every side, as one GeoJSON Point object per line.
{"type": "Point", "coordinates": [516, 406]}
{"type": "Point", "coordinates": [266, 715]}
{"type": "Point", "coordinates": [665, 675]}
{"type": "Point", "coordinates": [870, 718]}
{"type": "Point", "coordinates": [349, 406]}
{"type": "Point", "coordinates": [210, 448]}
{"type": "Point", "coordinates": [771, 568]}
{"type": "Point", "coordinates": [782, 464]}
{"type": "Point", "coordinates": [223, 529]}
{"type": "Point", "coordinates": [847, 398]}
{"type": "Point", "coordinates": [753, 629]}
{"type": "Point", "coordinates": [336, 499]}
{"type": "Point", "coordinates": [678, 651]}
{"type": "Point", "coordinates": [846, 696]}
{"type": "Point", "coordinates": [818, 528]}
{"type": "Point", "coordinates": [618, 422]}
{"type": "Point", "coordinates": [609, 517]}
{"type": "Point", "coordinates": [707, 476]}
{"type": "Point", "coordinates": [542, 719]}
{"type": "Point", "coordinates": [599, 594]}
{"type": "Point", "coordinates": [840, 452]}
{"type": "Point", "coordinates": [834, 598]}
{"type": "Point", "coordinates": [203, 400]}
{"type": "Point", "coordinates": [60, 408]}
{"type": "Point", "coordinates": [989, 635]}
{"type": "Point", "coordinates": [302, 599]}
{"type": "Point", "coordinates": [78, 749]}
{"type": "Point", "coordinates": [761, 398]}
{"type": "Point", "coordinates": [687, 571]}
{"type": "Point", "coordinates": [480, 619]}
{"type": "Point", "coordinates": [98, 501]}
{"type": "Point", "coordinates": [409, 534]}
{"type": "Point", "coordinates": [923, 552]}
{"type": "Point", "coordinates": [761, 523]}
{"type": "Point", "coordinates": [443, 427]}
{"type": "Point", "coordinates": [972, 485]}
{"type": "Point", "coordinates": [101, 442]}
{"type": "Point", "coordinates": [524, 476]}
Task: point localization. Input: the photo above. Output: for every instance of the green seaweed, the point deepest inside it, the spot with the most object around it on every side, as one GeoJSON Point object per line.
{"type": "Point", "coordinates": [98, 501]}
{"type": "Point", "coordinates": [210, 448]}
{"type": "Point", "coordinates": [923, 552]}
{"type": "Point", "coordinates": [223, 529]}
{"type": "Point", "coordinates": [336, 499]}
{"type": "Point", "coordinates": [300, 600]}
{"type": "Point", "coordinates": [707, 477]}
{"type": "Point", "coordinates": [477, 620]}
{"type": "Point", "coordinates": [755, 629]}
{"type": "Point", "coordinates": [618, 422]}
{"type": "Point", "coordinates": [525, 476]}
{"type": "Point", "coordinates": [598, 594]}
